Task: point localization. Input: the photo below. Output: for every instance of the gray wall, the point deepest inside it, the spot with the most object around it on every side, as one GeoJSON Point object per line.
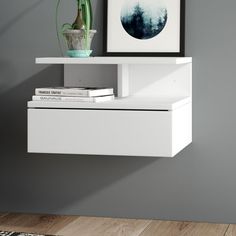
{"type": "Point", "coordinates": [200, 184]}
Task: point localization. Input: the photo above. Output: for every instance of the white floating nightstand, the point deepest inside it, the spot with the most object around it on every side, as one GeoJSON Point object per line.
{"type": "Point", "coordinates": [152, 115]}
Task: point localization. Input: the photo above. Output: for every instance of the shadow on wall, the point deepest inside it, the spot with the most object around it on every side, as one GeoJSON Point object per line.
{"type": "Point", "coordinates": [8, 75]}
{"type": "Point", "coordinates": [39, 179]}
{"type": "Point", "coordinates": [10, 23]}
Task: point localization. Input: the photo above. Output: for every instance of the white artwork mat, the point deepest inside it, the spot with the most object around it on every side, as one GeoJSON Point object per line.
{"type": "Point", "coordinates": [118, 40]}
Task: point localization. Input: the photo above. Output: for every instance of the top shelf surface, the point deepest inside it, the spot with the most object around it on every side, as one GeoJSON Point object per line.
{"type": "Point", "coordinates": [114, 60]}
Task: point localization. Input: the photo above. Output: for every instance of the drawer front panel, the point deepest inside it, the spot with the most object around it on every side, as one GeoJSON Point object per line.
{"type": "Point", "coordinates": [100, 132]}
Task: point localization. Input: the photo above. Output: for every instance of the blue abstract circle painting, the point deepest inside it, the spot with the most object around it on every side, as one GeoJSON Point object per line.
{"type": "Point", "coordinates": [144, 19]}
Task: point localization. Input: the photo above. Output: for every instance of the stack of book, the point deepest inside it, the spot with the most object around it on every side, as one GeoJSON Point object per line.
{"type": "Point", "coordinates": [63, 94]}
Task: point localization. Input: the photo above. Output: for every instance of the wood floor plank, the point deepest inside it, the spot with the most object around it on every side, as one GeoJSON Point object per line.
{"type": "Point", "coordinates": [39, 224]}
{"type": "Point", "coordinates": [3, 214]}
{"type": "Point", "coordinates": [92, 226]}
{"type": "Point", "coordinates": [164, 228]}
{"type": "Point", "coordinates": [231, 231]}
{"type": "Point", "coordinates": [170, 228]}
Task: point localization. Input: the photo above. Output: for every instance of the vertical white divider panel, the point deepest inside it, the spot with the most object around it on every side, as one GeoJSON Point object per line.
{"type": "Point", "coordinates": [123, 80]}
{"type": "Point", "coordinates": [160, 80]}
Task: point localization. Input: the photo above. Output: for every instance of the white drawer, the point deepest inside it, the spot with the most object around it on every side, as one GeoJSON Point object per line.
{"type": "Point", "coordinates": [109, 132]}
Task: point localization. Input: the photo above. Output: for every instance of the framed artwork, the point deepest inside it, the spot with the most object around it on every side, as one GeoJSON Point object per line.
{"type": "Point", "coordinates": [144, 28]}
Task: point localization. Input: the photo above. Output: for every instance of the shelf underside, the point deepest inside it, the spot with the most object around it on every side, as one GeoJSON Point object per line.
{"type": "Point", "coordinates": [115, 60]}
{"type": "Point", "coordinates": [130, 103]}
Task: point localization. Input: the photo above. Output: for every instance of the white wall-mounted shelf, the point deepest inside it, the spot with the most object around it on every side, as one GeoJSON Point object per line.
{"type": "Point", "coordinates": [152, 115]}
{"type": "Point", "coordinates": [115, 60]}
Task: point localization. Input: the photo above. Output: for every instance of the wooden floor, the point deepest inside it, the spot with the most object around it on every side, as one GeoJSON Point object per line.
{"type": "Point", "coordinates": [91, 226]}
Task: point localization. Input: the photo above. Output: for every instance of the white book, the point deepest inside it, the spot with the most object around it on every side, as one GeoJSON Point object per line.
{"type": "Point", "coordinates": [73, 99]}
{"type": "Point", "coordinates": [71, 92]}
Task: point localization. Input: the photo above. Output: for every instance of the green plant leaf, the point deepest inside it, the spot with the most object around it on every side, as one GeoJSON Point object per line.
{"type": "Point", "coordinates": [66, 26]}
{"type": "Point", "coordinates": [57, 27]}
{"type": "Point", "coordinates": [91, 14]}
{"type": "Point", "coordinates": [88, 23]}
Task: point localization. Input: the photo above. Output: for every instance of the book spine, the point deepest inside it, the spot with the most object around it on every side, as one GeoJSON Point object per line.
{"type": "Point", "coordinates": [62, 99]}
{"type": "Point", "coordinates": [58, 92]}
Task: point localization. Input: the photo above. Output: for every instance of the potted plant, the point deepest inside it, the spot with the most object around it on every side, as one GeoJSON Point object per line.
{"type": "Point", "coordinates": [79, 35]}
